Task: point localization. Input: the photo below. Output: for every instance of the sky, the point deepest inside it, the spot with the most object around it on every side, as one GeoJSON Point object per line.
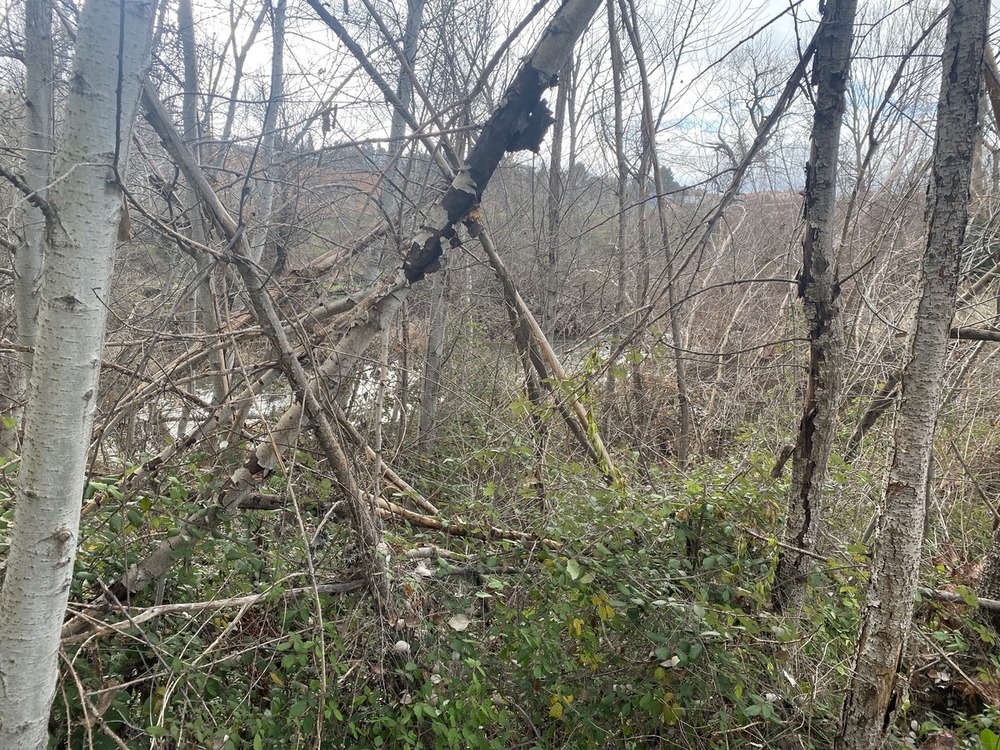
{"type": "Point", "coordinates": [705, 58]}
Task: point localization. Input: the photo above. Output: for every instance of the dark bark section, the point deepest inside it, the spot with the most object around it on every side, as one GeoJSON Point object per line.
{"type": "Point", "coordinates": [819, 289]}
{"type": "Point", "coordinates": [519, 124]}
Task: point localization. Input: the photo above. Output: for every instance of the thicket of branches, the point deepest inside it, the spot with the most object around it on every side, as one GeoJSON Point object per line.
{"type": "Point", "coordinates": [387, 455]}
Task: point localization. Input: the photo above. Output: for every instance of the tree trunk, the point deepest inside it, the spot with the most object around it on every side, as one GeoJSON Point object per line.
{"type": "Point", "coordinates": [39, 148]}
{"type": "Point", "coordinates": [205, 305]}
{"type": "Point", "coordinates": [82, 220]}
{"type": "Point", "coordinates": [396, 180]}
{"type": "Point", "coordinates": [550, 302]}
{"type": "Point", "coordinates": [874, 692]}
{"type": "Point", "coordinates": [621, 194]}
{"type": "Point", "coordinates": [29, 257]}
{"type": "Point", "coordinates": [989, 580]}
{"type": "Point", "coordinates": [819, 289]}
{"type": "Point", "coordinates": [265, 199]}
{"type": "Point", "coordinates": [430, 383]}
{"type": "Point", "coordinates": [683, 442]}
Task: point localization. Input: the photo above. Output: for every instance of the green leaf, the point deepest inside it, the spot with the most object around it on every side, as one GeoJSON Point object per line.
{"type": "Point", "coordinates": [298, 709]}
{"type": "Point", "coordinates": [258, 742]}
{"type": "Point", "coordinates": [989, 740]}
{"type": "Point", "coordinates": [573, 568]}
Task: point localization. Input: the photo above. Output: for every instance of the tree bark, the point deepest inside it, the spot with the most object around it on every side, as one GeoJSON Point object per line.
{"type": "Point", "coordinates": [82, 222]}
{"type": "Point", "coordinates": [39, 149]}
{"type": "Point", "coordinates": [28, 259]}
{"type": "Point", "coordinates": [819, 289]}
{"type": "Point", "coordinates": [205, 299]}
{"type": "Point", "coordinates": [875, 690]}
{"type": "Point", "coordinates": [430, 383]}
{"type": "Point", "coordinates": [621, 194]}
{"type": "Point", "coordinates": [989, 580]}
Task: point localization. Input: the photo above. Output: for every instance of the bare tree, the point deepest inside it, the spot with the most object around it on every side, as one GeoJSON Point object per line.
{"type": "Point", "coordinates": [819, 288]}
{"type": "Point", "coordinates": [82, 214]}
{"type": "Point", "coordinates": [875, 690]}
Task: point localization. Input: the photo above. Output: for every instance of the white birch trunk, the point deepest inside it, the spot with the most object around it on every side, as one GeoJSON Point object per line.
{"type": "Point", "coordinates": [875, 691]}
{"type": "Point", "coordinates": [62, 390]}
{"type": "Point", "coordinates": [38, 162]}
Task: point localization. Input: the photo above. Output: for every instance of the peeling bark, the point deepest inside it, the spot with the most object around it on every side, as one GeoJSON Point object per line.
{"type": "Point", "coordinates": [518, 124]}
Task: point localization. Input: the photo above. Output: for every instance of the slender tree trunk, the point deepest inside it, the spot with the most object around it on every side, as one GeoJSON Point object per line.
{"type": "Point", "coordinates": [574, 412]}
{"type": "Point", "coordinates": [239, 60]}
{"type": "Point", "coordinates": [39, 149]}
{"type": "Point", "coordinates": [404, 90]}
{"type": "Point", "coordinates": [989, 580]}
{"type": "Point", "coordinates": [886, 396]}
{"type": "Point", "coordinates": [82, 221]}
{"type": "Point", "coordinates": [365, 520]}
{"type": "Point", "coordinates": [621, 193]}
{"type": "Point", "coordinates": [875, 690]}
{"type": "Point", "coordinates": [819, 289]}
{"type": "Point", "coordinates": [28, 260]}
{"type": "Point", "coordinates": [265, 198]}
{"type": "Point", "coordinates": [683, 442]}
{"type": "Point", "coordinates": [621, 164]}
{"type": "Point", "coordinates": [879, 404]}
{"type": "Point", "coordinates": [550, 302]}
{"type": "Point", "coordinates": [205, 300]}
{"type": "Point", "coordinates": [398, 170]}
{"type": "Point", "coordinates": [430, 384]}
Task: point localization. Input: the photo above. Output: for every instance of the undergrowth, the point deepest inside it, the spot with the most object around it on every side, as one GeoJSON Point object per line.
{"type": "Point", "coordinates": [637, 618]}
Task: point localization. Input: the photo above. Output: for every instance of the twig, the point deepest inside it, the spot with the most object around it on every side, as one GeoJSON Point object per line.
{"type": "Point", "coordinates": [139, 615]}
{"type": "Point", "coordinates": [391, 509]}
{"type": "Point", "coordinates": [30, 194]}
{"type": "Point", "coordinates": [990, 605]}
